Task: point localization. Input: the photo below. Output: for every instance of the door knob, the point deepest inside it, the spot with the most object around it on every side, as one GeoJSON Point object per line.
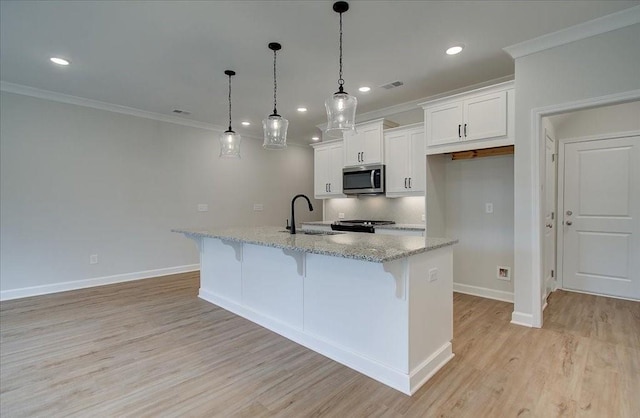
{"type": "Point", "coordinates": [569, 223]}
{"type": "Point", "coordinates": [549, 225]}
{"type": "Point", "coordinates": [569, 213]}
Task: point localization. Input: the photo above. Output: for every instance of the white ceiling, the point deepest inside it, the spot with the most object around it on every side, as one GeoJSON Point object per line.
{"type": "Point", "coordinates": [159, 56]}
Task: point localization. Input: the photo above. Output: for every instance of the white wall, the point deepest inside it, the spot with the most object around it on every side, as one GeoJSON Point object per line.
{"type": "Point", "coordinates": [594, 67]}
{"type": "Point", "coordinates": [623, 117]}
{"type": "Point", "coordinates": [77, 181]}
{"type": "Point", "coordinates": [406, 210]}
{"type": "Point", "coordinates": [485, 239]}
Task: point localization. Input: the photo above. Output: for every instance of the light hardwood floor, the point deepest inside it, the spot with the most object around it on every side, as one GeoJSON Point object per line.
{"type": "Point", "coordinates": [152, 348]}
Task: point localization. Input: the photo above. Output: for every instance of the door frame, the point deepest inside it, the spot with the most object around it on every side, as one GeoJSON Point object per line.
{"type": "Point", "coordinates": [537, 208]}
{"type": "Point", "coordinates": [560, 197]}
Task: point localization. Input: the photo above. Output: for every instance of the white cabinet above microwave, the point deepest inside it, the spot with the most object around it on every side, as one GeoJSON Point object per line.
{"type": "Point", "coordinates": [482, 118]}
{"type": "Point", "coordinates": [365, 146]}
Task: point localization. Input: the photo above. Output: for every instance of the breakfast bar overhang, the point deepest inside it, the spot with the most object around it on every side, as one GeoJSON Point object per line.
{"type": "Point", "coordinates": [379, 304]}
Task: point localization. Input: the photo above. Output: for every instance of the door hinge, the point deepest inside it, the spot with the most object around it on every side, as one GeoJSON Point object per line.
{"type": "Point", "coordinates": [553, 158]}
{"type": "Point", "coordinates": [553, 216]}
{"type": "Point", "coordinates": [552, 274]}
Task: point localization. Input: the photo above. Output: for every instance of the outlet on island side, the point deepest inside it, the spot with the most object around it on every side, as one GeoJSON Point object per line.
{"type": "Point", "coordinates": [503, 273]}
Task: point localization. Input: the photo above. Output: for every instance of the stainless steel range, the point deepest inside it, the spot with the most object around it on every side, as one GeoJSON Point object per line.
{"type": "Point", "coordinates": [358, 225]}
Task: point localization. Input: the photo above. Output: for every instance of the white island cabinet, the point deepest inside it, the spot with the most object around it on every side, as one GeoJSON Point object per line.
{"type": "Point", "coordinates": [380, 304]}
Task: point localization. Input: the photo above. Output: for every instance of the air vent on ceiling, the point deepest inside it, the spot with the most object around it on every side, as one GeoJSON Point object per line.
{"type": "Point", "coordinates": [181, 112]}
{"type": "Point", "coordinates": [392, 85]}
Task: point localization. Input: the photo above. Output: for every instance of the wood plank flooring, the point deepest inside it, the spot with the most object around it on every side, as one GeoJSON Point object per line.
{"type": "Point", "coordinates": [151, 348]}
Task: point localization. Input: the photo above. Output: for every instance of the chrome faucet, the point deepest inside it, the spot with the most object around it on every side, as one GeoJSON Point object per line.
{"type": "Point", "coordinates": [293, 212]}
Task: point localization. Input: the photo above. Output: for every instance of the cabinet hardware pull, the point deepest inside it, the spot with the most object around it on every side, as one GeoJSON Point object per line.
{"type": "Point", "coordinates": [362, 156]}
{"type": "Point", "coordinates": [459, 135]}
{"type": "Point", "coordinates": [329, 187]}
{"type": "Point", "coordinates": [405, 182]}
{"type": "Point", "coordinates": [409, 182]}
{"type": "Point", "coordinates": [465, 129]}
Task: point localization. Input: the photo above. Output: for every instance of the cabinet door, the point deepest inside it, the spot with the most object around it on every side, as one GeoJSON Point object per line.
{"type": "Point", "coordinates": [372, 144]}
{"type": "Point", "coordinates": [485, 116]}
{"type": "Point", "coordinates": [352, 148]}
{"type": "Point", "coordinates": [336, 157]}
{"type": "Point", "coordinates": [443, 123]}
{"type": "Point", "coordinates": [396, 153]}
{"type": "Point", "coordinates": [322, 158]}
{"type": "Point", "coordinates": [417, 160]}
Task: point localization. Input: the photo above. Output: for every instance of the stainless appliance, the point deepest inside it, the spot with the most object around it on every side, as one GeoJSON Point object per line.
{"type": "Point", "coordinates": [358, 225]}
{"type": "Point", "coordinates": [365, 179]}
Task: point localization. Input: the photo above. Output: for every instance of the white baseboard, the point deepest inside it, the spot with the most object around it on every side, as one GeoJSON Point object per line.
{"type": "Point", "coordinates": [483, 292]}
{"type": "Point", "coordinates": [98, 281]}
{"type": "Point", "coordinates": [403, 382]}
{"type": "Point", "coordinates": [520, 318]}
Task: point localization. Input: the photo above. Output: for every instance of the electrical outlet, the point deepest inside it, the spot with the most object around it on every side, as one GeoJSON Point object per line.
{"type": "Point", "coordinates": [433, 274]}
{"type": "Point", "coordinates": [258, 207]}
{"type": "Point", "coordinates": [203, 207]}
{"type": "Point", "coordinates": [424, 217]}
{"type": "Point", "coordinates": [503, 273]}
{"type": "Point", "coordinates": [93, 259]}
{"type": "Point", "coordinates": [340, 215]}
{"type": "Point", "coordinates": [488, 207]}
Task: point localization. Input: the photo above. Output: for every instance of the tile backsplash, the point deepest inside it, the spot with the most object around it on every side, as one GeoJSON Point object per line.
{"type": "Point", "coordinates": [406, 210]}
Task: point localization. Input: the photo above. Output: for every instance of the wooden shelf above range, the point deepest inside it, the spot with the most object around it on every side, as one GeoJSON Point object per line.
{"type": "Point", "coordinates": [487, 152]}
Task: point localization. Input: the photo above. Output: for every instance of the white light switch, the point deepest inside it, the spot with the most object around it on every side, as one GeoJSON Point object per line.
{"type": "Point", "coordinates": [488, 207]}
{"type": "Point", "coordinates": [258, 207]}
{"type": "Point", "coordinates": [340, 215]}
{"type": "Point", "coordinates": [203, 207]}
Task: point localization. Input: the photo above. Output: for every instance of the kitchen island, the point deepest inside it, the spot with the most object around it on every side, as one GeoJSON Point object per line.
{"type": "Point", "coordinates": [379, 304]}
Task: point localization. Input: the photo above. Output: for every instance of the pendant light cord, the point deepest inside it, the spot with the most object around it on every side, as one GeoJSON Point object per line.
{"type": "Point", "coordinates": [230, 103]}
{"type": "Point", "coordinates": [340, 80]}
{"type": "Point", "coordinates": [275, 85]}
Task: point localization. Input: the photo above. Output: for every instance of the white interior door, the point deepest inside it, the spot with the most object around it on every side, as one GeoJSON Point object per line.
{"type": "Point", "coordinates": [549, 214]}
{"type": "Point", "coordinates": [601, 251]}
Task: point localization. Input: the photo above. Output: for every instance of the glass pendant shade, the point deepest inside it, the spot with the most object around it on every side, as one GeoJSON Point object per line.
{"type": "Point", "coordinates": [229, 140]}
{"type": "Point", "coordinates": [341, 112]}
{"type": "Point", "coordinates": [275, 132]}
{"type": "Point", "coordinates": [230, 145]}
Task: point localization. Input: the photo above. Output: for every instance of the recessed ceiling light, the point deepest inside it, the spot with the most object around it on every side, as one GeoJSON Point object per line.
{"type": "Point", "coordinates": [364, 89]}
{"type": "Point", "coordinates": [246, 123]}
{"type": "Point", "coordinates": [315, 138]}
{"type": "Point", "coordinates": [302, 109]}
{"type": "Point", "coordinates": [455, 50]}
{"type": "Point", "coordinates": [60, 61]}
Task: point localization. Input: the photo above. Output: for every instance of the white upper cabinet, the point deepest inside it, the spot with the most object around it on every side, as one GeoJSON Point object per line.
{"type": "Point", "coordinates": [405, 161]}
{"type": "Point", "coordinates": [366, 145]}
{"type": "Point", "coordinates": [483, 118]}
{"type": "Point", "coordinates": [327, 173]}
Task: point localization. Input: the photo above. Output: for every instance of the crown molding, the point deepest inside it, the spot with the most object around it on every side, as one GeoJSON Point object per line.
{"type": "Point", "coordinates": [388, 111]}
{"type": "Point", "coordinates": [95, 104]}
{"type": "Point", "coordinates": [617, 20]}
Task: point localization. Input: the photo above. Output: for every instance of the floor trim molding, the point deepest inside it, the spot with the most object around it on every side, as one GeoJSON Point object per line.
{"type": "Point", "coordinates": [26, 292]}
{"type": "Point", "coordinates": [483, 292]}
{"type": "Point", "coordinates": [521, 318]}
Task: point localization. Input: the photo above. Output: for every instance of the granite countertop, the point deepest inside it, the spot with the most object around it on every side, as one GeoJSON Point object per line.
{"type": "Point", "coordinates": [367, 247]}
{"type": "Point", "coordinates": [406, 227]}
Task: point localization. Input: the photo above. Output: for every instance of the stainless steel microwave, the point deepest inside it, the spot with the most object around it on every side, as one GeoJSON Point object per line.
{"type": "Point", "coordinates": [366, 179]}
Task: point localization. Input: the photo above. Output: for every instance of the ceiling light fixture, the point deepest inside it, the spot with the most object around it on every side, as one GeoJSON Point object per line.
{"type": "Point", "coordinates": [302, 109]}
{"type": "Point", "coordinates": [341, 107]}
{"type": "Point", "coordinates": [364, 89]}
{"type": "Point", "coordinates": [275, 126]}
{"type": "Point", "coordinates": [60, 61]}
{"type": "Point", "coordinates": [246, 123]}
{"type": "Point", "coordinates": [455, 50]}
{"type": "Point", "coordinates": [229, 140]}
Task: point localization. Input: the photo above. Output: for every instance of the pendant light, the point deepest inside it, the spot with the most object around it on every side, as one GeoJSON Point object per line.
{"type": "Point", "coordinates": [229, 140]}
{"type": "Point", "coordinates": [275, 126]}
{"type": "Point", "coordinates": [341, 107]}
